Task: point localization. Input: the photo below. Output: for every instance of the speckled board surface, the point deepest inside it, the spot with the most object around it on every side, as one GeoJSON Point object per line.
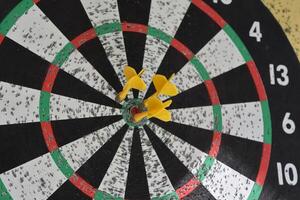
{"type": "Point", "coordinates": [233, 128]}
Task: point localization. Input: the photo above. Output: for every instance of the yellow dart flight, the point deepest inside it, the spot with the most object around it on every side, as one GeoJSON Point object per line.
{"type": "Point", "coordinates": [133, 81]}
{"type": "Point", "coordinates": [163, 86]}
{"type": "Point", "coordinates": [155, 108]}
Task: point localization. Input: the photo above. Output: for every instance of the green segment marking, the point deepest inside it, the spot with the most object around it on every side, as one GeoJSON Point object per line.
{"type": "Point", "coordinates": [203, 171]}
{"type": "Point", "coordinates": [63, 55]}
{"type": "Point", "coordinates": [108, 28]}
{"type": "Point", "coordinates": [255, 192]}
{"type": "Point", "coordinates": [160, 35]}
{"type": "Point", "coordinates": [200, 68]}
{"type": "Point", "coordinates": [62, 163]}
{"type": "Point", "coordinates": [44, 108]}
{"type": "Point", "coordinates": [169, 196]}
{"type": "Point", "coordinates": [218, 124]}
{"type": "Point", "coordinates": [238, 42]}
{"type": "Point", "coordinates": [267, 122]}
{"type": "Point", "coordinates": [4, 195]}
{"type": "Point", "coordinates": [104, 196]}
{"type": "Point", "coordinates": [14, 15]}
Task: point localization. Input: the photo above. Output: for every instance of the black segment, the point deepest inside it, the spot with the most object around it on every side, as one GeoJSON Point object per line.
{"type": "Point", "coordinates": [94, 52]}
{"type": "Point", "coordinates": [199, 193]}
{"type": "Point", "coordinates": [69, 17]}
{"type": "Point", "coordinates": [20, 143]}
{"type": "Point", "coordinates": [6, 6]}
{"type": "Point", "coordinates": [172, 63]}
{"type": "Point", "coordinates": [20, 66]}
{"type": "Point", "coordinates": [94, 170]}
{"type": "Point", "coordinates": [196, 29]}
{"type": "Point", "coordinates": [135, 46]}
{"type": "Point", "coordinates": [199, 138]}
{"type": "Point", "coordinates": [67, 85]}
{"type": "Point", "coordinates": [134, 11]}
{"type": "Point", "coordinates": [137, 185]}
{"type": "Point", "coordinates": [236, 86]}
{"type": "Point", "coordinates": [194, 97]}
{"type": "Point", "coordinates": [68, 191]}
{"type": "Point", "coordinates": [176, 171]}
{"type": "Point", "coordinates": [241, 155]}
{"type": "Point", "coordinates": [67, 131]}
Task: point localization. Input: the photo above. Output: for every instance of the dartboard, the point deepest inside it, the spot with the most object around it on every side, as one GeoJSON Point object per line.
{"type": "Point", "coordinates": [63, 135]}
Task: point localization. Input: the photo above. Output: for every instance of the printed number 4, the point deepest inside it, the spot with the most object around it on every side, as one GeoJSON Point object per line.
{"type": "Point", "coordinates": [255, 31]}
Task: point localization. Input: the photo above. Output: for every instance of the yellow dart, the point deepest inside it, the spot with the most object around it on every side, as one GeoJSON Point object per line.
{"type": "Point", "coordinates": [163, 86]}
{"type": "Point", "coordinates": [133, 81]}
{"type": "Point", "coordinates": [155, 108]}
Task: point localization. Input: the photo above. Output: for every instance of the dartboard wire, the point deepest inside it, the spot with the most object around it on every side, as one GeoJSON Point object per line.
{"type": "Point", "coordinates": [65, 58]}
{"type": "Point", "coordinates": [165, 18]}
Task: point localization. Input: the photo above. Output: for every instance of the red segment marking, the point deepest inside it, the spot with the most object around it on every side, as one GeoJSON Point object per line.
{"type": "Point", "coordinates": [50, 78]}
{"type": "Point", "coordinates": [215, 146]}
{"type": "Point", "coordinates": [134, 110]}
{"type": "Point", "coordinates": [84, 37]}
{"type": "Point", "coordinates": [36, 1]}
{"type": "Point", "coordinates": [82, 185]}
{"type": "Point", "coordinates": [210, 12]}
{"type": "Point", "coordinates": [257, 80]}
{"type": "Point", "coordinates": [182, 48]}
{"type": "Point", "coordinates": [264, 164]}
{"type": "Point", "coordinates": [188, 188]}
{"type": "Point", "coordinates": [1, 38]}
{"type": "Point", "coordinates": [49, 136]}
{"type": "Point", "coordinates": [132, 27]}
{"type": "Point", "coordinates": [212, 92]}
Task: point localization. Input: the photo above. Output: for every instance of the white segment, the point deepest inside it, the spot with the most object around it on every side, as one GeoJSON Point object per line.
{"type": "Point", "coordinates": [154, 53]}
{"type": "Point", "coordinates": [225, 183]}
{"type": "Point", "coordinates": [186, 78]}
{"type": "Point", "coordinates": [165, 15]}
{"type": "Point", "coordinates": [77, 66]}
{"type": "Point", "coordinates": [62, 108]}
{"type": "Point", "coordinates": [36, 179]}
{"type": "Point", "coordinates": [115, 179]}
{"type": "Point", "coordinates": [158, 180]}
{"type": "Point", "coordinates": [220, 55]}
{"type": "Point", "coordinates": [36, 32]}
{"type": "Point", "coordinates": [113, 44]}
{"type": "Point", "coordinates": [82, 149]}
{"type": "Point", "coordinates": [102, 12]}
{"type": "Point", "coordinates": [201, 117]}
{"type": "Point", "coordinates": [18, 104]}
{"type": "Point", "coordinates": [243, 120]}
{"type": "Point", "coordinates": [190, 156]}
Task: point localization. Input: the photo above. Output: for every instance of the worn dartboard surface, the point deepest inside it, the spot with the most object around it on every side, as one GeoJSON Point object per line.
{"type": "Point", "coordinates": [234, 129]}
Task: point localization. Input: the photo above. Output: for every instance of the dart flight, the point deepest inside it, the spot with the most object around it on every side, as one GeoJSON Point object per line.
{"type": "Point", "coordinates": [133, 81]}
{"type": "Point", "coordinates": [155, 108]}
{"type": "Point", "coordinates": [163, 86]}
